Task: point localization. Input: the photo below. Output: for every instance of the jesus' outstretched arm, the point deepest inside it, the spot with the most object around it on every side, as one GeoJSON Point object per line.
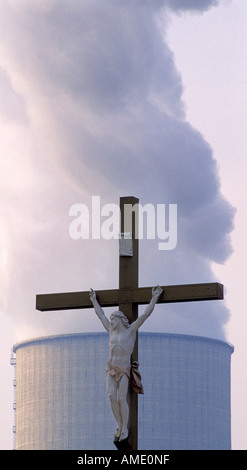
{"type": "Point", "coordinates": [156, 292]}
{"type": "Point", "coordinates": [98, 310]}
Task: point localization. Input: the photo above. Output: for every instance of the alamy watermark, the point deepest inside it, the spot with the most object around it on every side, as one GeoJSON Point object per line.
{"type": "Point", "coordinates": [150, 221]}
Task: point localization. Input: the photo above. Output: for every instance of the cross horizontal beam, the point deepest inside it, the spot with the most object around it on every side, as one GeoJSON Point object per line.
{"type": "Point", "coordinates": [140, 296]}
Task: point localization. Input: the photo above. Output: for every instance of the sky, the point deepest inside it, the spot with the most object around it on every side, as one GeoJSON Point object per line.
{"type": "Point", "coordinates": [111, 98]}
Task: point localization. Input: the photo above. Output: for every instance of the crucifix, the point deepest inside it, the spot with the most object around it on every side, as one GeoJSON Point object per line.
{"type": "Point", "coordinates": [128, 296]}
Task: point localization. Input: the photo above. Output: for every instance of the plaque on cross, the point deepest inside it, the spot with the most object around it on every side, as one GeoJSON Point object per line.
{"type": "Point", "coordinates": [128, 296]}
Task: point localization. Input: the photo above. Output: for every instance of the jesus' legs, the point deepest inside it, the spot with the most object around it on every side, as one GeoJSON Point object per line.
{"type": "Point", "coordinates": [117, 393]}
{"type": "Point", "coordinates": [124, 408]}
{"type": "Point", "coordinates": [112, 389]}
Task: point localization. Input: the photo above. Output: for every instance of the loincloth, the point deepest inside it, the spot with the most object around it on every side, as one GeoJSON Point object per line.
{"type": "Point", "coordinates": [117, 371]}
{"type": "Point", "coordinates": [131, 372]}
{"type": "Point", "coordinates": [136, 380]}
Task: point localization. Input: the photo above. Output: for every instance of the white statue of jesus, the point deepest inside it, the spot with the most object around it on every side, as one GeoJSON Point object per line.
{"type": "Point", "coordinates": [122, 339]}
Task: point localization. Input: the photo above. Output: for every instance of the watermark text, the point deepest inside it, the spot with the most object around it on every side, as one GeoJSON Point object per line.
{"type": "Point", "coordinates": [145, 222]}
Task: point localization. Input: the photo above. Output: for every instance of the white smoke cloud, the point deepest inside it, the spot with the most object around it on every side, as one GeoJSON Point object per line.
{"type": "Point", "coordinates": [93, 106]}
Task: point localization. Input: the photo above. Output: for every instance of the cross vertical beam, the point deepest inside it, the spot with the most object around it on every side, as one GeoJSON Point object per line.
{"type": "Point", "coordinates": [128, 279]}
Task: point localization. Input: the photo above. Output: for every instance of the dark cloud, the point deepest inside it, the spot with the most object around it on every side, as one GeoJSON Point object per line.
{"type": "Point", "coordinates": [193, 5]}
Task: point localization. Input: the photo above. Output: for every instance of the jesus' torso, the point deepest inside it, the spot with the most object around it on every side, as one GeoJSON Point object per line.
{"type": "Point", "coordinates": [121, 346]}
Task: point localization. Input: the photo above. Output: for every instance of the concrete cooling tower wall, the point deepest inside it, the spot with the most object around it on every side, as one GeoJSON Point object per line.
{"type": "Point", "coordinates": [61, 399]}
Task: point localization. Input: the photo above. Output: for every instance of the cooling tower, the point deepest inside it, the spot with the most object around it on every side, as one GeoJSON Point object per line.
{"type": "Point", "coordinates": [61, 400]}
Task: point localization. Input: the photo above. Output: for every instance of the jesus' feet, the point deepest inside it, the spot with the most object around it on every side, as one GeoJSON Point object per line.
{"type": "Point", "coordinates": [124, 434]}
{"type": "Point", "coordinates": [117, 433]}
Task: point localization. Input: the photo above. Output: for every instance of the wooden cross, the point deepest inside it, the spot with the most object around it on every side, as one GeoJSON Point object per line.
{"type": "Point", "coordinates": [128, 296]}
